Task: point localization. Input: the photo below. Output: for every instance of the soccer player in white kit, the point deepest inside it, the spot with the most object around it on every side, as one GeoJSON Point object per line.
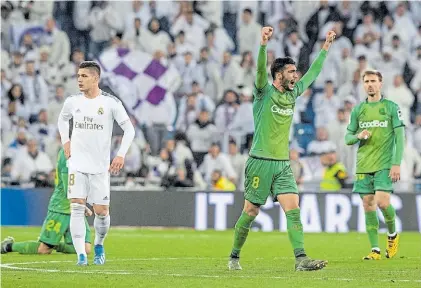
{"type": "Point", "coordinates": [88, 153]}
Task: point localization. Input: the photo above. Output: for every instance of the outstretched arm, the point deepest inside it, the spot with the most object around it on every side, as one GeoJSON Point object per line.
{"type": "Point", "coordinates": [261, 74]}
{"type": "Point", "coordinates": [316, 66]}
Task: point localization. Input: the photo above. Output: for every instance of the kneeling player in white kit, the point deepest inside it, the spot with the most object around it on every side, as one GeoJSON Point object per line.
{"type": "Point", "coordinates": [88, 153]}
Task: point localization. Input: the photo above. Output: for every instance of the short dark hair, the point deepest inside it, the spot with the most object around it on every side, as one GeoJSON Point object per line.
{"type": "Point", "coordinates": [248, 10]}
{"type": "Point", "coordinates": [279, 64]}
{"type": "Point", "coordinates": [91, 65]}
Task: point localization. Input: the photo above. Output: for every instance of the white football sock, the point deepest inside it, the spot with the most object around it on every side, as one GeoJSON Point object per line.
{"type": "Point", "coordinates": [101, 225]}
{"type": "Point", "coordinates": [77, 227]}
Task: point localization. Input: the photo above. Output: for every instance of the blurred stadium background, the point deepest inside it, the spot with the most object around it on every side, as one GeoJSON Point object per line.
{"type": "Point", "coordinates": [185, 71]}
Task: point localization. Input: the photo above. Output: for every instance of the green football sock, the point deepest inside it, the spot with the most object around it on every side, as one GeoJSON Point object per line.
{"type": "Point", "coordinates": [242, 228]}
{"type": "Point", "coordinates": [30, 247]}
{"type": "Point", "coordinates": [389, 218]}
{"type": "Point", "coordinates": [65, 248]}
{"type": "Point", "coordinates": [295, 232]}
{"type": "Point", "coordinates": [372, 227]}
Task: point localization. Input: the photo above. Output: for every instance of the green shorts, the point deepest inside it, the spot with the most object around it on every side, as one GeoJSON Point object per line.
{"type": "Point", "coordinates": [56, 226]}
{"type": "Point", "coordinates": [264, 177]}
{"type": "Point", "coordinates": [372, 182]}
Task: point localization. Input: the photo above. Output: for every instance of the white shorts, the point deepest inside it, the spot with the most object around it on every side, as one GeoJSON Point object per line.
{"type": "Point", "coordinates": [94, 188]}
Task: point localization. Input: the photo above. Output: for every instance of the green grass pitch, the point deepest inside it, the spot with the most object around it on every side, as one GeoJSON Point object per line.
{"type": "Point", "coordinates": [185, 258]}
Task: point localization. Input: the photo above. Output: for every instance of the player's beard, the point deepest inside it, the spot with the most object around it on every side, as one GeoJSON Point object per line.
{"type": "Point", "coordinates": [372, 94]}
{"type": "Point", "coordinates": [285, 84]}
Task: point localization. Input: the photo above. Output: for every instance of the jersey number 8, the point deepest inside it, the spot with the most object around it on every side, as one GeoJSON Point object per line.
{"type": "Point", "coordinates": [71, 179]}
{"type": "Point", "coordinates": [255, 182]}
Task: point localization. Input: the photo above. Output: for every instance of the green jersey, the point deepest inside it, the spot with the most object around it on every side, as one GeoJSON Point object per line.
{"type": "Point", "coordinates": [273, 110]}
{"type": "Point", "coordinates": [58, 201]}
{"type": "Point", "coordinates": [380, 119]}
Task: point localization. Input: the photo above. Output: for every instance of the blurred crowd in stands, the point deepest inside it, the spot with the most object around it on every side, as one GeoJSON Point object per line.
{"type": "Point", "coordinates": [213, 45]}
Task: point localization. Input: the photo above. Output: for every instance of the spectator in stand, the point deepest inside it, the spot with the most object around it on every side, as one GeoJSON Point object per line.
{"type": "Point", "coordinates": [35, 89]}
{"type": "Point", "coordinates": [17, 96]}
{"type": "Point", "coordinates": [213, 86]}
{"type": "Point", "coordinates": [47, 69]}
{"type": "Point", "coordinates": [16, 67]}
{"type": "Point", "coordinates": [226, 111]}
{"type": "Point", "coordinates": [55, 104]}
{"type": "Point", "coordinates": [216, 160]}
{"type": "Point", "coordinates": [337, 130]}
{"type": "Point", "coordinates": [293, 45]}
{"type": "Point", "coordinates": [42, 130]}
{"type": "Point", "coordinates": [28, 48]}
{"type": "Point", "coordinates": [325, 105]}
{"type": "Point", "coordinates": [58, 41]}
{"type": "Point", "coordinates": [189, 73]}
{"type": "Point", "coordinates": [140, 10]}
{"type": "Point", "coordinates": [193, 26]}
{"type": "Point", "coordinates": [17, 144]}
{"type": "Point", "coordinates": [201, 133]}
{"type": "Point", "coordinates": [243, 122]}
{"type": "Point", "coordinates": [104, 23]}
{"type": "Point", "coordinates": [321, 143]}
{"type": "Point", "coordinates": [160, 167]}
{"type": "Point", "coordinates": [355, 88]}
{"type": "Point", "coordinates": [248, 32]}
{"type": "Point", "coordinates": [231, 73]}
{"type": "Point", "coordinates": [249, 68]}
{"type": "Point", "coordinates": [221, 183]}
{"type": "Point", "coordinates": [158, 39]}
{"type": "Point", "coordinates": [137, 38]}
{"type": "Point", "coordinates": [30, 162]}
{"type": "Point", "coordinates": [347, 67]}
{"type": "Point", "coordinates": [238, 162]}
{"type": "Point", "coordinates": [401, 95]}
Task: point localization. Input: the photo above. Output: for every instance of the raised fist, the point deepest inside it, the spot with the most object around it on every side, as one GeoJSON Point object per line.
{"type": "Point", "coordinates": [266, 34]}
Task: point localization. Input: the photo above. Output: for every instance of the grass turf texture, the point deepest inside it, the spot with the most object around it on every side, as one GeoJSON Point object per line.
{"type": "Point", "coordinates": [182, 258]}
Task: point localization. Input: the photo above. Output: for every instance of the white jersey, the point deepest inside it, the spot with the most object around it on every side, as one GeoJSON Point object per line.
{"type": "Point", "coordinates": [93, 121]}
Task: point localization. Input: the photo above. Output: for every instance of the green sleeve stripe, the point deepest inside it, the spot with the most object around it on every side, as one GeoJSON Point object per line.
{"type": "Point", "coordinates": [351, 130]}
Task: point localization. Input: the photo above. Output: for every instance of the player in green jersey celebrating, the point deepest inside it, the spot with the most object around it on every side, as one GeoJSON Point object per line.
{"type": "Point", "coordinates": [56, 224]}
{"type": "Point", "coordinates": [377, 125]}
{"type": "Point", "coordinates": [268, 170]}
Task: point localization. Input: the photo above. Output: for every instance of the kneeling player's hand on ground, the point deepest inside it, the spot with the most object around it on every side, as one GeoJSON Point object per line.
{"type": "Point", "coordinates": [116, 165]}
{"type": "Point", "coordinates": [395, 173]}
{"type": "Point", "coordinates": [365, 134]}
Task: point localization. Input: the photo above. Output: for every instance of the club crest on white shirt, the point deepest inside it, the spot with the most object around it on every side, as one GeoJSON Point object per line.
{"type": "Point", "coordinates": [100, 111]}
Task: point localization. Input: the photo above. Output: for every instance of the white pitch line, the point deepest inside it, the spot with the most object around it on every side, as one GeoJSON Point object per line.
{"type": "Point", "coordinates": [153, 273]}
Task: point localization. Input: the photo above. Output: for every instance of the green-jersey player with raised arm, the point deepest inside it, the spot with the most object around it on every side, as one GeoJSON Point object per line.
{"type": "Point", "coordinates": [376, 124]}
{"type": "Point", "coordinates": [268, 170]}
{"type": "Point", "coordinates": [57, 223]}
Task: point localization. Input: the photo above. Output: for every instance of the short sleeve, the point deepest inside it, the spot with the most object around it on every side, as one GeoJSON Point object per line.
{"type": "Point", "coordinates": [353, 121]}
{"type": "Point", "coordinates": [119, 113]}
{"type": "Point", "coordinates": [397, 118]}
